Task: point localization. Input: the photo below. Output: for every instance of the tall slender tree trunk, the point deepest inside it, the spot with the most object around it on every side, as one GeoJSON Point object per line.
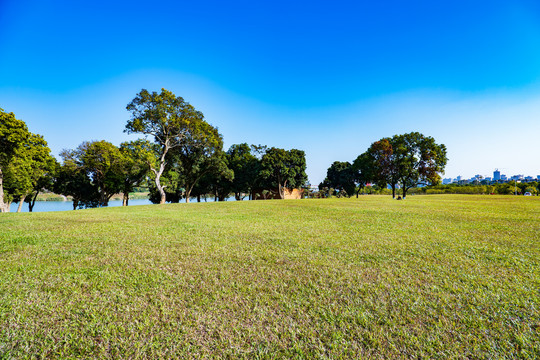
{"type": "Point", "coordinates": [199, 198]}
{"type": "Point", "coordinates": [125, 199]}
{"type": "Point", "coordinates": [393, 191]}
{"type": "Point", "coordinates": [21, 202]}
{"type": "Point", "coordinates": [159, 172]}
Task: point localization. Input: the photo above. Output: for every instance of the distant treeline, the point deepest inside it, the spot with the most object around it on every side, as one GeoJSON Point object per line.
{"type": "Point", "coordinates": [509, 188]}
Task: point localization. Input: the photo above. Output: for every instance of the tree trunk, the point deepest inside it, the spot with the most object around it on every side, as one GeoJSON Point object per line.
{"type": "Point", "coordinates": [281, 190]}
{"type": "Point", "coordinates": [125, 200]}
{"type": "Point", "coordinates": [404, 192]}
{"type": "Point", "coordinates": [32, 202]}
{"type": "Point", "coordinates": [393, 191]}
{"type": "Point", "coordinates": [3, 207]}
{"type": "Point", "coordinates": [158, 174]}
{"type": "Point", "coordinates": [162, 195]}
{"type": "Point", "coordinates": [199, 198]}
{"type": "Point", "coordinates": [21, 202]}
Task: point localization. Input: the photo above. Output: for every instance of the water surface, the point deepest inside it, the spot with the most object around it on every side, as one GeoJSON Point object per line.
{"type": "Point", "coordinates": [43, 206]}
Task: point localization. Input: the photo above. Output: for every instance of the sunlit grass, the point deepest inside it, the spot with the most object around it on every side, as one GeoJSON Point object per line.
{"type": "Point", "coordinates": [431, 276]}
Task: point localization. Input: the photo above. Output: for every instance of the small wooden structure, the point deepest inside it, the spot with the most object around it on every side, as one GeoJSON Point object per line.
{"type": "Point", "coordinates": [266, 194]}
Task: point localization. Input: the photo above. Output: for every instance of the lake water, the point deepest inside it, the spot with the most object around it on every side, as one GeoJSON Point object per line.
{"type": "Point", "coordinates": [42, 206]}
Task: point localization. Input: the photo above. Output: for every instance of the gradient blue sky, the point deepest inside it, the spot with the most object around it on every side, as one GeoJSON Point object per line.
{"type": "Point", "coordinates": [329, 78]}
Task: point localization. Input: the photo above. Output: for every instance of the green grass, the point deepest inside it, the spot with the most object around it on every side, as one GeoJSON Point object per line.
{"type": "Point", "coordinates": [429, 277]}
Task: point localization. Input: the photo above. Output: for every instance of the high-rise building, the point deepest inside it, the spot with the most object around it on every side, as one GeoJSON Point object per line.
{"type": "Point", "coordinates": [496, 175]}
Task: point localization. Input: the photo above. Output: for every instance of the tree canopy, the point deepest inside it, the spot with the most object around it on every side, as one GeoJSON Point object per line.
{"type": "Point", "coordinates": [418, 160]}
{"type": "Point", "coordinates": [26, 165]}
{"type": "Point", "coordinates": [284, 169]}
{"type": "Point", "coordinates": [91, 174]}
{"type": "Point", "coordinates": [341, 177]}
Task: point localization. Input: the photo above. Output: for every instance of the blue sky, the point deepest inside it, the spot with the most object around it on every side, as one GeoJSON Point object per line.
{"type": "Point", "coordinates": [327, 78]}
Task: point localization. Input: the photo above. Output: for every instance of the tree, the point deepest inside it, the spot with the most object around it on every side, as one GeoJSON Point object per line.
{"type": "Point", "coordinates": [169, 120]}
{"type": "Point", "coordinates": [103, 163]}
{"type": "Point", "coordinates": [245, 167]}
{"type": "Point", "coordinates": [35, 167]}
{"type": "Point", "coordinates": [92, 173]}
{"type": "Point", "coordinates": [71, 180]}
{"type": "Point", "coordinates": [217, 182]}
{"type": "Point", "coordinates": [135, 160]}
{"type": "Point", "coordinates": [341, 177]}
{"type": "Point", "coordinates": [284, 169]}
{"type": "Point", "coordinates": [363, 171]}
{"type": "Point", "coordinates": [13, 133]}
{"type": "Point", "coordinates": [418, 160]}
{"type": "Point", "coordinates": [199, 154]}
{"type": "Point", "coordinates": [380, 165]}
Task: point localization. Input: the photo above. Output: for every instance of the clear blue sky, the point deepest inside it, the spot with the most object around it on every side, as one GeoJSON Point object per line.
{"type": "Point", "coordinates": [329, 78]}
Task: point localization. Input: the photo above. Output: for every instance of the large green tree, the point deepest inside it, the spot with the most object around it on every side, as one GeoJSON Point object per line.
{"type": "Point", "coordinates": [92, 173]}
{"type": "Point", "coordinates": [71, 180]}
{"type": "Point", "coordinates": [419, 160]}
{"type": "Point", "coordinates": [13, 133]}
{"type": "Point", "coordinates": [380, 164]}
{"type": "Point", "coordinates": [284, 169]}
{"type": "Point", "coordinates": [31, 170]}
{"type": "Point", "coordinates": [362, 169]}
{"type": "Point", "coordinates": [134, 170]}
{"type": "Point", "coordinates": [245, 167]}
{"type": "Point", "coordinates": [200, 153]}
{"type": "Point", "coordinates": [169, 120]}
{"type": "Point", "coordinates": [340, 176]}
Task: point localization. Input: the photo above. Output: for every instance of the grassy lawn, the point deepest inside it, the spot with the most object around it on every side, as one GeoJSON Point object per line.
{"type": "Point", "coordinates": [432, 276]}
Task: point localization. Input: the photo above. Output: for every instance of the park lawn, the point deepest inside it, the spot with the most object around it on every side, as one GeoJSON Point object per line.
{"type": "Point", "coordinates": [432, 276]}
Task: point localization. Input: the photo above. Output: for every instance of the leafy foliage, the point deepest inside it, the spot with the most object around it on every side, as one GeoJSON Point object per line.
{"type": "Point", "coordinates": [340, 176]}
{"type": "Point", "coordinates": [284, 169]}
{"type": "Point", "coordinates": [91, 174]}
{"type": "Point", "coordinates": [26, 166]}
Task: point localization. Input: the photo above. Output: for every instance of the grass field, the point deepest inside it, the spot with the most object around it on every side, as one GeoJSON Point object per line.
{"type": "Point", "coordinates": [432, 276]}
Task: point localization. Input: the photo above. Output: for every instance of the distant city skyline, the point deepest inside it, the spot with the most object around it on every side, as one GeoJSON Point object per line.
{"type": "Point", "coordinates": [496, 176]}
{"type": "Point", "coordinates": [326, 79]}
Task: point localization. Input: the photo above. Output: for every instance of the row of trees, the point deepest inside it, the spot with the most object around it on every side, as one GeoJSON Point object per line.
{"type": "Point", "coordinates": [407, 161]}
{"type": "Point", "coordinates": [509, 188]}
{"type": "Point", "coordinates": [95, 171]}
{"type": "Point", "coordinates": [181, 156]}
